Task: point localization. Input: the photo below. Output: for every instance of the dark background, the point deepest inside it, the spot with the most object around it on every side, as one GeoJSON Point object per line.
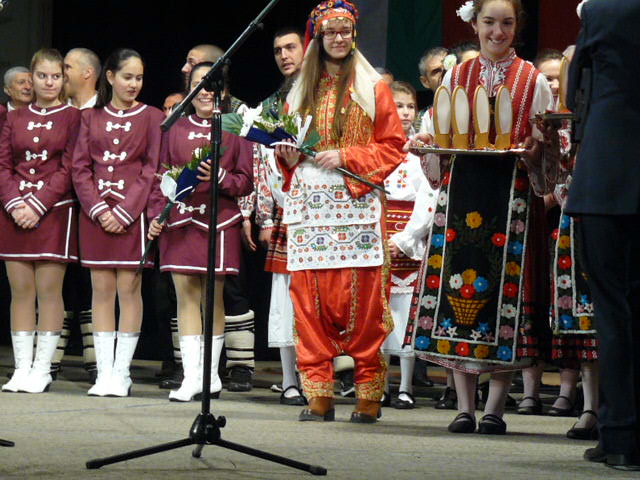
{"type": "Point", "coordinates": [163, 33]}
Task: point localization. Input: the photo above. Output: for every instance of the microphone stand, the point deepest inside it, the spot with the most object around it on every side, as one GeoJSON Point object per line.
{"type": "Point", "coordinates": [205, 429]}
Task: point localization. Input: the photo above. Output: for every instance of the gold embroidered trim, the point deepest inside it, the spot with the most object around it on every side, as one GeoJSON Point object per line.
{"type": "Point", "coordinates": [317, 389]}
{"type": "Point", "coordinates": [374, 389]}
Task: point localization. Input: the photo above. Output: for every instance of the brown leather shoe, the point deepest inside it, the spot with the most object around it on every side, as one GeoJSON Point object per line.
{"type": "Point", "coordinates": [367, 411]}
{"type": "Point", "coordinates": [320, 409]}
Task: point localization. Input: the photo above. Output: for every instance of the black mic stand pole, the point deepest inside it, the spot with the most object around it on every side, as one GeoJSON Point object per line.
{"type": "Point", "coordinates": [205, 429]}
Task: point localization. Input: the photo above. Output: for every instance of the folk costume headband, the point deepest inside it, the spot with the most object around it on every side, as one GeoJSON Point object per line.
{"type": "Point", "coordinates": [329, 10]}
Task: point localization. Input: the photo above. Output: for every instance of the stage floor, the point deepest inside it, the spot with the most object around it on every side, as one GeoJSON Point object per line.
{"type": "Point", "coordinates": [57, 432]}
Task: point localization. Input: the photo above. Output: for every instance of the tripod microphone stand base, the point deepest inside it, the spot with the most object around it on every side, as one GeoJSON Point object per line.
{"type": "Point", "coordinates": [206, 431]}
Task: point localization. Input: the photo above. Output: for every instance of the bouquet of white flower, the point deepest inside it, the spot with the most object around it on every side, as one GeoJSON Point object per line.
{"type": "Point", "coordinates": [177, 183]}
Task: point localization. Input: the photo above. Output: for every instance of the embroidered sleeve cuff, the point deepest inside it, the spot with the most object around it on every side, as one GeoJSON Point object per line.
{"type": "Point", "coordinates": [13, 203]}
{"type": "Point", "coordinates": [98, 209]}
{"type": "Point", "coordinates": [36, 205]}
{"type": "Point", "coordinates": [268, 223]}
{"type": "Point", "coordinates": [122, 215]}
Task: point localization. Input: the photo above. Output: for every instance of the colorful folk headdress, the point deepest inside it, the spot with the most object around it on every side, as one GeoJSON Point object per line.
{"type": "Point", "coordinates": [328, 10]}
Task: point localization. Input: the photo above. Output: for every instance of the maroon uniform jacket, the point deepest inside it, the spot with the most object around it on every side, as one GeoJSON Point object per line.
{"type": "Point", "coordinates": [235, 179]}
{"type": "Point", "coordinates": [36, 146]}
{"type": "Point", "coordinates": [116, 159]}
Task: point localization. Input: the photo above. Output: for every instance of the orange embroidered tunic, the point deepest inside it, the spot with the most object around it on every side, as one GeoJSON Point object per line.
{"type": "Point", "coordinates": [334, 222]}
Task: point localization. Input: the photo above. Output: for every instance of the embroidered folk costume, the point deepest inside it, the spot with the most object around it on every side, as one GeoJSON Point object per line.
{"type": "Point", "coordinates": [114, 167]}
{"type": "Point", "coordinates": [481, 304]}
{"type": "Point", "coordinates": [335, 232]}
{"type": "Point", "coordinates": [36, 145]}
{"type": "Point", "coordinates": [574, 336]}
{"type": "Point", "coordinates": [410, 208]}
{"type": "Point", "coordinates": [184, 244]}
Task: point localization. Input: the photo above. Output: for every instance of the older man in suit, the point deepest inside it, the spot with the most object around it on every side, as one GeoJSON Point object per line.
{"type": "Point", "coordinates": [605, 197]}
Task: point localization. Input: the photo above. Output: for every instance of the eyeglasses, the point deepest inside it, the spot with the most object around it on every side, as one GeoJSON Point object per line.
{"type": "Point", "coordinates": [331, 34]}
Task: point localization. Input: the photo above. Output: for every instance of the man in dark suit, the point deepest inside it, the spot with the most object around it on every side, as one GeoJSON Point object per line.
{"type": "Point", "coordinates": [605, 198]}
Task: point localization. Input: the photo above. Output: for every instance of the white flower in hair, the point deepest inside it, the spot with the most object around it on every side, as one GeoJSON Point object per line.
{"type": "Point", "coordinates": [449, 61]}
{"type": "Point", "coordinates": [579, 7]}
{"type": "Point", "coordinates": [465, 12]}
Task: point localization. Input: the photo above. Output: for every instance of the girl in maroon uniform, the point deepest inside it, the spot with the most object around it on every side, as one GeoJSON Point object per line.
{"type": "Point", "coordinates": [114, 165]}
{"type": "Point", "coordinates": [183, 247]}
{"type": "Point", "coordinates": [39, 223]}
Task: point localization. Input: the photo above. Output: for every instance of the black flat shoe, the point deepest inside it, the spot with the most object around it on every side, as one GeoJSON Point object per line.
{"type": "Point", "coordinates": [584, 433]}
{"type": "Point", "coordinates": [595, 454]}
{"type": "Point", "coordinates": [535, 409]}
{"type": "Point", "coordinates": [297, 400]}
{"type": "Point", "coordinates": [420, 378]}
{"type": "Point", "coordinates": [563, 412]}
{"type": "Point", "coordinates": [463, 423]}
{"type": "Point", "coordinates": [174, 381]}
{"type": "Point", "coordinates": [359, 417]}
{"type": "Point", "coordinates": [308, 415]}
{"type": "Point", "coordinates": [448, 400]}
{"type": "Point", "coordinates": [400, 404]}
{"type": "Point", "coordinates": [385, 401]}
{"type": "Point", "coordinates": [492, 425]}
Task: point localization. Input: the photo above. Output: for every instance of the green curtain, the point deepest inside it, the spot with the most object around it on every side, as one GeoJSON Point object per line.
{"type": "Point", "coordinates": [413, 27]}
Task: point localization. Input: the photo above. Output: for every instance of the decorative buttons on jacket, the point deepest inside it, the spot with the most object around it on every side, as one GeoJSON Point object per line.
{"type": "Point", "coordinates": [189, 208]}
{"type": "Point", "coordinates": [113, 156]}
{"type": "Point", "coordinates": [106, 183]}
{"type": "Point", "coordinates": [115, 126]}
{"type": "Point", "coordinates": [24, 184]}
{"type": "Point", "coordinates": [32, 156]}
{"type": "Point", "coordinates": [47, 126]}
{"type": "Point", "coordinates": [193, 135]}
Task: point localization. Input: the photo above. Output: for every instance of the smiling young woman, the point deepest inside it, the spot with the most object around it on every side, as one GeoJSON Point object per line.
{"type": "Point", "coordinates": [114, 166]}
{"type": "Point", "coordinates": [489, 318]}
{"type": "Point", "coordinates": [184, 238]}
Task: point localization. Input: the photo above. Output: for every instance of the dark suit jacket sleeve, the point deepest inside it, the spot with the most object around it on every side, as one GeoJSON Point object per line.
{"type": "Point", "coordinates": [581, 59]}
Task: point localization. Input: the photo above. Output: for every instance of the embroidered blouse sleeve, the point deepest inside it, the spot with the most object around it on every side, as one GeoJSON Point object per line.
{"type": "Point", "coordinates": [379, 158]}
{"type": "Point", "coordinates": [411, 240]}
{"type": "Point", "coordinates": [265, 203]}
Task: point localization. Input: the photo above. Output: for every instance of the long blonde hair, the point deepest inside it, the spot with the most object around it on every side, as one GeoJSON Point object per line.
{"type": "Point", "coordinates": [312, 71]}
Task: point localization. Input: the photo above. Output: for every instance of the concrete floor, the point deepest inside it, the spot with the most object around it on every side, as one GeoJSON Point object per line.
{"type": "Point", "coordinates": [57, 432]}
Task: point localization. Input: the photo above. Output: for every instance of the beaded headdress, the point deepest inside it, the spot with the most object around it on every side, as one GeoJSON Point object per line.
{"type": "Point", "coordinates": [328, 10]}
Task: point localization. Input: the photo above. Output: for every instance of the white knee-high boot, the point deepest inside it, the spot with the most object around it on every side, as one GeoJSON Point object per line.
{"type": "Point", "coordinates": [39, 377]}
{"type": "Point", "coordinates": [216, 350]}
{"type": "Point", "coordinates": [103, 343]}
{"type": "Point", "coordinates": [120, 376]}
{"type": "Point", "coordinates": [23, 356]}
{"type": "Point", "coordinates": [192, 382]}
